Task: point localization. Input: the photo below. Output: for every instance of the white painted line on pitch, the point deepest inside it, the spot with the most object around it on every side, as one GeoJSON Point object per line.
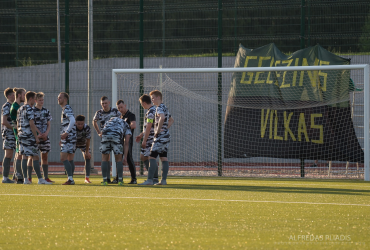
{"type": "Point", "coordinates": [188, 199]}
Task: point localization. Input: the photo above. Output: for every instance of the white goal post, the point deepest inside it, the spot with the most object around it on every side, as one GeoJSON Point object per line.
{"type": "Point", "coordinates": [364, 67]}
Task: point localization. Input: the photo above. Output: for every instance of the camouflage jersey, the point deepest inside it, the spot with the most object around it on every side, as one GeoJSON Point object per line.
{"type": "Point", "coordinates": [67, 114]}
{"type": "Point", "coordinates": [42, 117]}
{"type": "Point", "coordinates": [82, 136]}
{"type": "Point", "coordinates": [24, 115]}
{"type": "Point", "coordinates": [114, 130]}
{"type": "Point", "coordinates": [162, 109]}
{"type": "Point", "coordinates": [149, 118]}
{"type": "Point", "coordinates": [5, 110]}
{"type": "Point", "coordinates": [101, 117]}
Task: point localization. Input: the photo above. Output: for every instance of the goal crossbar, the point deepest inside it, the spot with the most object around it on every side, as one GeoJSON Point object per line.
{"type": "Point", "coordinates": [364, 67]}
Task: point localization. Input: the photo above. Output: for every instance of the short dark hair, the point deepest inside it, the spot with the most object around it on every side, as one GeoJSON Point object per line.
{"type": "Point", "coordinates": [119, 102]}
{"type": "Point", "coordinates": [7, 92]}
{"type": "Point", "coordinates": [156, 93]}
{"type": "Point", "coordinates": [80, 118]}
{"type": "Point", "coordinates": [145, 98]}
{"type": "Point", "coordinates": [103, 98]}
{"type": "Point", "coordinates": [30, 94]}
{"type": "Point", "coordinates": [18, 91]}
{"type": "Point", "coordinates": [65, 95]}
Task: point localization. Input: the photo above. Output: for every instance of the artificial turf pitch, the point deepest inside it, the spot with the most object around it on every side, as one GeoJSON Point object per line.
{"type": "Point", "coordinates": [189, 213]}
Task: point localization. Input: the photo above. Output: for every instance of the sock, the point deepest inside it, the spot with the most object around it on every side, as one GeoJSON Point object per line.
{"type": "Point", "coordinates": [165, 168]}
{"type": "Point", "coordinates": [14, 170]}
{"type": "Point", "coordinates": [119, 170]}
{"type": "Point", "coordinates": [18, 167]}
{"type": "Point", "coordinates": [29, 171]}
{"type": "Point", "coordinates": [24, 168]}
{"type": "Point", "coordinates": [45, 168]}
{"type": "Point", "coordinates": [104, 168]}
{"type": "Point", "coordinates": [146, 163]}
{"type": "Point", "coordinates": [70, 178]}
{"type": "Point", "coordinates": [68, 167]}
{"type": "Point", "coordinates": [6, 167]}
{"type": "Point", "coordinates": [73, 166]}
{"type": "Point", "coordinates": [108, 170]}
{"type": "Point", "coordinates": [87, 168]}
{"type": "Point", "coordinates": [152, 168]}
{"type": "Point", "coordinates": [36, 166]}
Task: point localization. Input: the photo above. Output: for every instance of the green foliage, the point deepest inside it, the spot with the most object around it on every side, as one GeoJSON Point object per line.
{"type": "Point", "coordinates": [26, 62]}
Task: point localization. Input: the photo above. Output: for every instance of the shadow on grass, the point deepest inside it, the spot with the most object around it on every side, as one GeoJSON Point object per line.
{"type": "Point", "coordinates": [270, 188]}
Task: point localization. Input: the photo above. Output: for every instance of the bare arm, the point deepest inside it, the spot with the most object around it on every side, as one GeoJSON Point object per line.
{"type": "Point", "coordinates": [48, 129]}
{"type": "Point", "coordinates": [170, 122]}
{"type": "Point", "coordinates": [133, 124]}
{"type": "Point", "coordinates": [146, 134]}
{"type": "Point", "coordinates": [87, 153]}
{"type": "Point", "coordinates": [33, 129]}
{"type": "Point", "coordinates": [160, 124]}
{"type": "Point", "coordinates": [95, 124]}
{"type": "Point", "coordinates": [5, 122]}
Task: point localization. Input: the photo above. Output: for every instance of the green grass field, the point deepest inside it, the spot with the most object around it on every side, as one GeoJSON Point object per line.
{"type": "Point", "coordinates": [189, 213]}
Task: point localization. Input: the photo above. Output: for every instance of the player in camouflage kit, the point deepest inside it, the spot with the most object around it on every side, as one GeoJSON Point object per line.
{"type": "Point", "coordinates": [67, 136]}
{"type": "Point", "coordinates": [28, 138]}
{"type": "Point", "coordinates": [20, 96]}
{"type": "Point", "coordinates": [148, 133]}
{"type": "Point", "coordinates": [7, 134]}
{"type": "Point", "coordinates": [163, 122]}
{"type": "Point", "coordinates": [83, 133]}
{"type": "Point", "coordinates": [101, 117]}
{"type": "Point", "coordinates": [113, 133]}
{"type": "Point", "coordinates": [42, 122]}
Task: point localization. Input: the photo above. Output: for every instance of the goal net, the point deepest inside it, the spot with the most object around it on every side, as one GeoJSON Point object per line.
{"type": "Point", "coordinates": [303, 121]}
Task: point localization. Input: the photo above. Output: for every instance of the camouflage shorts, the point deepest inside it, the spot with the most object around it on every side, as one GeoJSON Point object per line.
{"type": "Point", "coordinates": [68, 147]}
{"type": "Point", "coordinates": [106, 147]}
{"type": "Point", "coordinates": [83, 149]}
{"type": "Point", "coordinates": [146, 151]}
{"type": "Point", "coordinates": [44, 146]}
{"type": "Point", "coordinates": [160, 144]}
{"type": "Point", "coordinates": [28, 146]}
{"type": "Point", "coordinates": [9, 141]}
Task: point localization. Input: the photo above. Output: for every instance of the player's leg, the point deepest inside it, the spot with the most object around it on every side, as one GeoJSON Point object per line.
{"type": "Point", "coordinates": [105, 168]}
{"type": "Point", "coordinates": [45, 147]}
{"type": "Point", "coordinates": [152, 168]}
{"type": "Point", "coordinates": [18, 166]}
{"type": "Point", "coordinates": [161, 146]}
{"type": "Point", "coordinates": [66, 148]}
{"type": "Point", "coordinates": [29, 169]}
{"type": "Point", "coordinates": [118, 152]}
{"type": "Point", "coordinates": [87, 165]}
{"type": "Point", "coordinates": [144, 157]}
{"type": "Point", "coordinates": [9, 147]}
{"type": "Point", "coordinates": [165, 168]}
{"type": "Point", "coordinates": [6, 165]}
{"type": "Point", "coordinates": [70, 159]}
{"type": "Point", "coordinates": [131, 164]}
{"type": "Point", "coordinates": [105, 149]}
{"type": "Point", "coordinates": [30, 150]}
{"type": "Point", "coordinates": [22, 152]}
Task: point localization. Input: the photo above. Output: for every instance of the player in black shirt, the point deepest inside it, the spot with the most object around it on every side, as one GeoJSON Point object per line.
{"type": "Point", "coordinates": [130, 119]}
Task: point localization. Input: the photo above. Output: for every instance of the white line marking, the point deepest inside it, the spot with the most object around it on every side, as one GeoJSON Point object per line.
{"type": "Point", "coordinates": [190, 199]}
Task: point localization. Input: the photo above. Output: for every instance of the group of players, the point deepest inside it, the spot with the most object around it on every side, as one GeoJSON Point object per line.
{"type": "Point", "coordinates": [25, 129]}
